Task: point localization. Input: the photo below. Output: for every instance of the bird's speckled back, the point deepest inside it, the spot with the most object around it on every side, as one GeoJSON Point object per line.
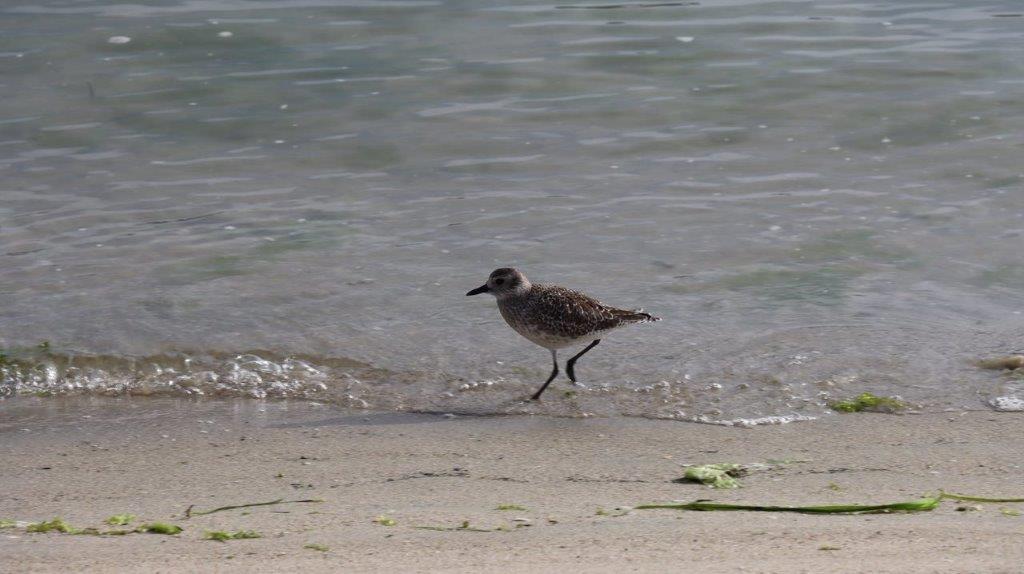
{"type": "Point", "coordinates": [554, 317]}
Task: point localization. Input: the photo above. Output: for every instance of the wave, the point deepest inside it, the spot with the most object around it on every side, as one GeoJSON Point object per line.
{"type": "Point", "coordinates": [349, 383]}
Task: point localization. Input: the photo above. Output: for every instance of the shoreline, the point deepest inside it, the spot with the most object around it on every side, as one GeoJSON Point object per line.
{"type": "Point", "coordinates": [85, 460]}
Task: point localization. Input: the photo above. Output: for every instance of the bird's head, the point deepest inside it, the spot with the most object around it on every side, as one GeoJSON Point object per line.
{"type": "Point", "coordinates": [504, 282]}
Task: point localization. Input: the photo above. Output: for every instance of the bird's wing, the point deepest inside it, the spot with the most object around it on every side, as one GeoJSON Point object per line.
{"type": "Point", "coordinates": [573, 314]}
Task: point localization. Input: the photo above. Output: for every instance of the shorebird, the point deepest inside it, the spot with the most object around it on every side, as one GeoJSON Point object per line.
{"type": "Point", "coordinates": [554, 317]}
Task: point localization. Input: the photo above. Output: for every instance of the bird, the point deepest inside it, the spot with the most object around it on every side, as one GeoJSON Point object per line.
{"type": "Point", "coordinates": [554, 317]}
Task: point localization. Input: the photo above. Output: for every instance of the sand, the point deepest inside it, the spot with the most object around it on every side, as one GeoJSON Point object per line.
{"type": "Point", "coordinates": [85, 460]}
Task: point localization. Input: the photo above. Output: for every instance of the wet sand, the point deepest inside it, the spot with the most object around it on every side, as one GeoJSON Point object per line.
{"type": "Point", "coordinates": [86, 460]}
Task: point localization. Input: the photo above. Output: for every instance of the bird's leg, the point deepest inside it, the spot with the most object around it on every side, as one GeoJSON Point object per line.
{"type": "Point", "coordinates": [554, 373]}
{"type": "Point", "coordinates": [572, 362]}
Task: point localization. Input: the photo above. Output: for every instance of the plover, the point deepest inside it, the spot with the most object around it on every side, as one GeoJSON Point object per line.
{"type": "Point", "coordinates": [554, 317]}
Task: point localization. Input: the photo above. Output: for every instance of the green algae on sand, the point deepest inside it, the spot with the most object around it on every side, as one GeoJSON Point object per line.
{"type": "Point", "coordinates": [159, 528]}
{"type": "Point", "coordinates": [55, 525]}
{"type": "Point", "coordinates": [317, 547]}
{"type": "Point", "coordinates": [224, 535]}
{"type": "Point", "coordinates": [919, 505]}
{"type": "Point", "coordinates": [119, 519]}
{"type": "Point", "coordinates": [719, 475]}
{"type": "Point", "coordinates": [867, 402]}
{"type": "Point", "coordinates": [923, 504]}
{"type": "Point", "coordinates": [189, 513]}
{"type": "Point", "coordinates": [60, 525]}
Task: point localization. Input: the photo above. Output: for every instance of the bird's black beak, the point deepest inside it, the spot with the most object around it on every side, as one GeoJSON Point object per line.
{"type": "Point", "coordinates": [481, 289]}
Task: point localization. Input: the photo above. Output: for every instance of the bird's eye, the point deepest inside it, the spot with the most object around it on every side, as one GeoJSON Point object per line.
{"type": "Point", "coordinates": [499, 281]}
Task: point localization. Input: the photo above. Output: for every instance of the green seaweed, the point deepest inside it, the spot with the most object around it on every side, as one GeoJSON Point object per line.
{"type": "Point", "coordinates": [923, 504]}
{"type": "Point", "coordinates": [317, 547]}
{"type": "Point", "coordinates": [190, 513]}
{"type": "Point", "coordinates": [1009, 512]}
{"type": "Point", "coordinates": [120, 519]}
{"type": "Point", "coordinates": [719, 475]}
{"type": "Point", "coordinates": [510, 507]}
{"type": "Point", "coordinates": [60, 525]}
{"type": "Point", "coordinates": [57, 524]}
{"type": "Point", "coordinates": [868, 402]}
{"type": "Point", "coordinates": [159, 528]}
{"type": "Point", "coordinates": [385, 521]}
{"type": "Point", "coordinates": [223, 535]}
{"type": "Point", "coordinates": [919, 505]}
{"type": "Point", "coordinates": [7, 524]}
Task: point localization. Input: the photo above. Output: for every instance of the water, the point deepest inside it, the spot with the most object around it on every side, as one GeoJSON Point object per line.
{"type": "Point", "coordinates": [290, 199]}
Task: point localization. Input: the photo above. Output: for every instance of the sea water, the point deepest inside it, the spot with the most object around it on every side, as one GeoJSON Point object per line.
{"type": "Point", "coordinates": [273, 198]}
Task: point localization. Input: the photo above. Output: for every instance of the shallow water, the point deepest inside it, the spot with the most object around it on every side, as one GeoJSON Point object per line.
{"type": "Point", "coordinates": [274, 198]}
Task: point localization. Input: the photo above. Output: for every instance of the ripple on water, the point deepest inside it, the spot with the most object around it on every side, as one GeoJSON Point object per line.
{"type": "Point", "coordinates": [491, 160]}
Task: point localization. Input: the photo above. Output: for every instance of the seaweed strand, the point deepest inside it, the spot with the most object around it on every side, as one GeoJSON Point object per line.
{"type": "Point", "coordinates": [190, 513]}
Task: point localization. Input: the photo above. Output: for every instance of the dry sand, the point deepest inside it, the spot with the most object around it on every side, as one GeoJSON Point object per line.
{"type": "Point", "coordinates": [86, 460]}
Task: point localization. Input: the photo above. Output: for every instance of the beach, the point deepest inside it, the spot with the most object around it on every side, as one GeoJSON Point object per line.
{"type": "Point", "coordinates": [418, 493]}
{"type": "Point", "coordinates": [237, 237]}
